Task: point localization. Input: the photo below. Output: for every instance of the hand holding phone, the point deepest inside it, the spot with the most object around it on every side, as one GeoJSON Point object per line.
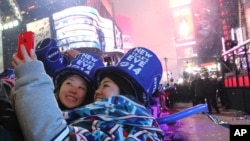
{"type": "Point", "coordinates": [27, 39]}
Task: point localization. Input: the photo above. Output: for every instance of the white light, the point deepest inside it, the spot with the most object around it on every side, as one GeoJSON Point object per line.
{"type": "Point", "coordinates": [189, 70]}
{"type": "Point", "coordinates": [180, 81]}
{"type": "Point", "coordinates": [10, 25]}
{"type": "Point", "coordinates": [15, 23]}
{"type": "Point", "coordinates": [186, 44]}
{"type": "Point", "coordinates": [5, 26]}
{"type": "Point", "coordinates": [232, 34]}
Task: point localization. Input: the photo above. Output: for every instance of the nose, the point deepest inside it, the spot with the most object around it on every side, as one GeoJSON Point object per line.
{"type": "Point", "coordinates": [73, 89]}
{"type": "Point", "coordinates": [97, 91]}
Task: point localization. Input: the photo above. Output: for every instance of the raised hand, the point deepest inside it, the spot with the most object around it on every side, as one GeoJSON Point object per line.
{"type": "Point", "coordinates": [16, 61]}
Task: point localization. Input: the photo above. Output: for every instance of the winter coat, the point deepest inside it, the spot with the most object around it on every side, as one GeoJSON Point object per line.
{"type": "Point", "coordinates": [199, 88]}
{"type": "Point", "coordinates": [9, 126]}
{"type": "Point", "coordinates": [210, 86]}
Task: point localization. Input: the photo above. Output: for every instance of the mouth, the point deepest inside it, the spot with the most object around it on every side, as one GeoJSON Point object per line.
{"type": "Point", "coordinates": [71, 98]}
{"type": "Point", "coordinates": [98, 97]}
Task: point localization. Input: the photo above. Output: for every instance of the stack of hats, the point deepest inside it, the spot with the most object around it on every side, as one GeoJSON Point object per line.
{"type": "Point", "coordinates": [138, 71]}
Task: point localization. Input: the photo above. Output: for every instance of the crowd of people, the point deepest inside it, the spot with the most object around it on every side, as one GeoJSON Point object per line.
{"type": "Point", "coordinates": [82, 99]}
{"type": "Point", "coordinates": [199, 90]}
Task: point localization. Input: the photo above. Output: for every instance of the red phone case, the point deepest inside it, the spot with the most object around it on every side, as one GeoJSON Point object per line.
{"type": "Point", "coordinates": [27, 39]}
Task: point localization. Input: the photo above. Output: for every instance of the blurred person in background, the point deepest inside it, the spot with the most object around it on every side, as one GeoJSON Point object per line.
{"type": "Point", "coordinates": [199, 90]}
{"type": "Point", "coordinates": [9, 125]}
{"type": "Point", "coordinates": [210, 93]}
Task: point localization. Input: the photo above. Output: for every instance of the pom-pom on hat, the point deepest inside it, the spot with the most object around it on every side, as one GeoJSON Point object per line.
{"type": "Point", "coordinates": [84, 65]}
{"type": "Point", "coordinates": [48, 52]}
{"type": "Point", "coordinates": [141, 67]}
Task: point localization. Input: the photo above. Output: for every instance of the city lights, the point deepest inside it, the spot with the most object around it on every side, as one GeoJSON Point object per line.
{"type": "Point", "coordinates": [8, 25]}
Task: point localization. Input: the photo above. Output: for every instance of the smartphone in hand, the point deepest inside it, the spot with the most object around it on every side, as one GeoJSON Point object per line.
{"type": "Point", "coordinates": [26, 38]}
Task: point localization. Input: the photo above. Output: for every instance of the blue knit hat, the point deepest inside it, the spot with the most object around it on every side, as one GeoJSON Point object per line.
{"type": "Point", "coordinates": [48, 52]}
{"type": "Point", "coordinates": [84, 65]}
{"type": "Point", "coordinates": [141, 67]}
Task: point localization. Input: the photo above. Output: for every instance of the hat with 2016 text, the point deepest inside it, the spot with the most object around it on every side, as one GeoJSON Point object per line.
{"type": "Point", "coordinates": [141, 67]}
{"type": "Point", "coordinates": [84, 65]}
{"type": "Point", "coordinates": [48, 52]}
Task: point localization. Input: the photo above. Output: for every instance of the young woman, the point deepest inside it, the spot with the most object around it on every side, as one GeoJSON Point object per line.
{"type": "Point", "coordinates": [112, 117]}
{"type": "Point", "coordinates": [74, 84]}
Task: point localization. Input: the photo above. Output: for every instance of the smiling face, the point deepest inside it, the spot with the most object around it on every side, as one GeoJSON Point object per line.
{"type": "Point", "coordinates": [73, 91]}
{"type": "Point", "coordinates": [106, 89]}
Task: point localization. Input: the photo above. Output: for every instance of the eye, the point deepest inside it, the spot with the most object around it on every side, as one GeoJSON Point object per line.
{"type": "Point", "coordinates": [83, 88]}
{"type": "Point", "coordinates": [68, 83]}
{"type": "Point", "coordinates": [105, 85]}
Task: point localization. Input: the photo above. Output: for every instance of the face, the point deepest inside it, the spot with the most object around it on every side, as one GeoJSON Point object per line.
{"type": "Point", "coordinates": [106, 89]}
{"type": "Point", "coordinates": [73, 91]}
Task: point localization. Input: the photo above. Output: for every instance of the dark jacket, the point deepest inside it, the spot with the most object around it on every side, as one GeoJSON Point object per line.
{"type": "Point", "coordinates": [210, 87]}
{"type": "Point", "coordinates": [9, 126]}
{"type": "Point", "coordinates": [199, 88]}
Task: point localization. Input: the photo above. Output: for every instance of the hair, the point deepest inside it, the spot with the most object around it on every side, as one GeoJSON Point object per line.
{"type": "Point", "coordinates": [126, 88]}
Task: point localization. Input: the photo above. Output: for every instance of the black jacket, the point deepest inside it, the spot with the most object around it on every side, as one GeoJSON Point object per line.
{"type": "Point", "coordinates": [9, 126]}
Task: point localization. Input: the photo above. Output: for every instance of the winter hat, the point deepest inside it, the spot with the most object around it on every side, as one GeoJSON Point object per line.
{"type": "Point", "coordinates": [8, 77]}
{"type": "Point", "coordinates": [141, 67]}
{"type": "Point", "coordinates": [8, 73]}
{"type": "Point", "coordinates": [84, 65]}
{"type": "Point", "coordinates": [48, 52]}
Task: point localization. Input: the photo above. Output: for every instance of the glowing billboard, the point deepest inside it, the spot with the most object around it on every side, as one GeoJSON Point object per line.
{"type": "Point", "coordinates": [41, 28]}
{"type": "Point", "coordinates": [184, 26]}
{"type": "Point", "coordinates": [177, 3]}
{"type": "Point", "coordinates": [82, 26]}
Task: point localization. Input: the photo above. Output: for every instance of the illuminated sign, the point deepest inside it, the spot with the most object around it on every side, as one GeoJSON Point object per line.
{"type": "Point", "coordinates": [177, 3]}
{"type": "Point", "coordinates": [41, 28]}
{"type": "Point", "coordinates": [185, 52]}
{"type": "Point", "coordinates": [82, 26]}
{"type": "Point", "coordinates": [184, 27]}
{"type": "Point", "coordinates": [247, 15]}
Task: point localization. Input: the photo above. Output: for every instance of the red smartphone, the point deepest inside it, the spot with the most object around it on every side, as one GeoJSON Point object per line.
{"type": "Point", "coordinates": [27, 39]}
